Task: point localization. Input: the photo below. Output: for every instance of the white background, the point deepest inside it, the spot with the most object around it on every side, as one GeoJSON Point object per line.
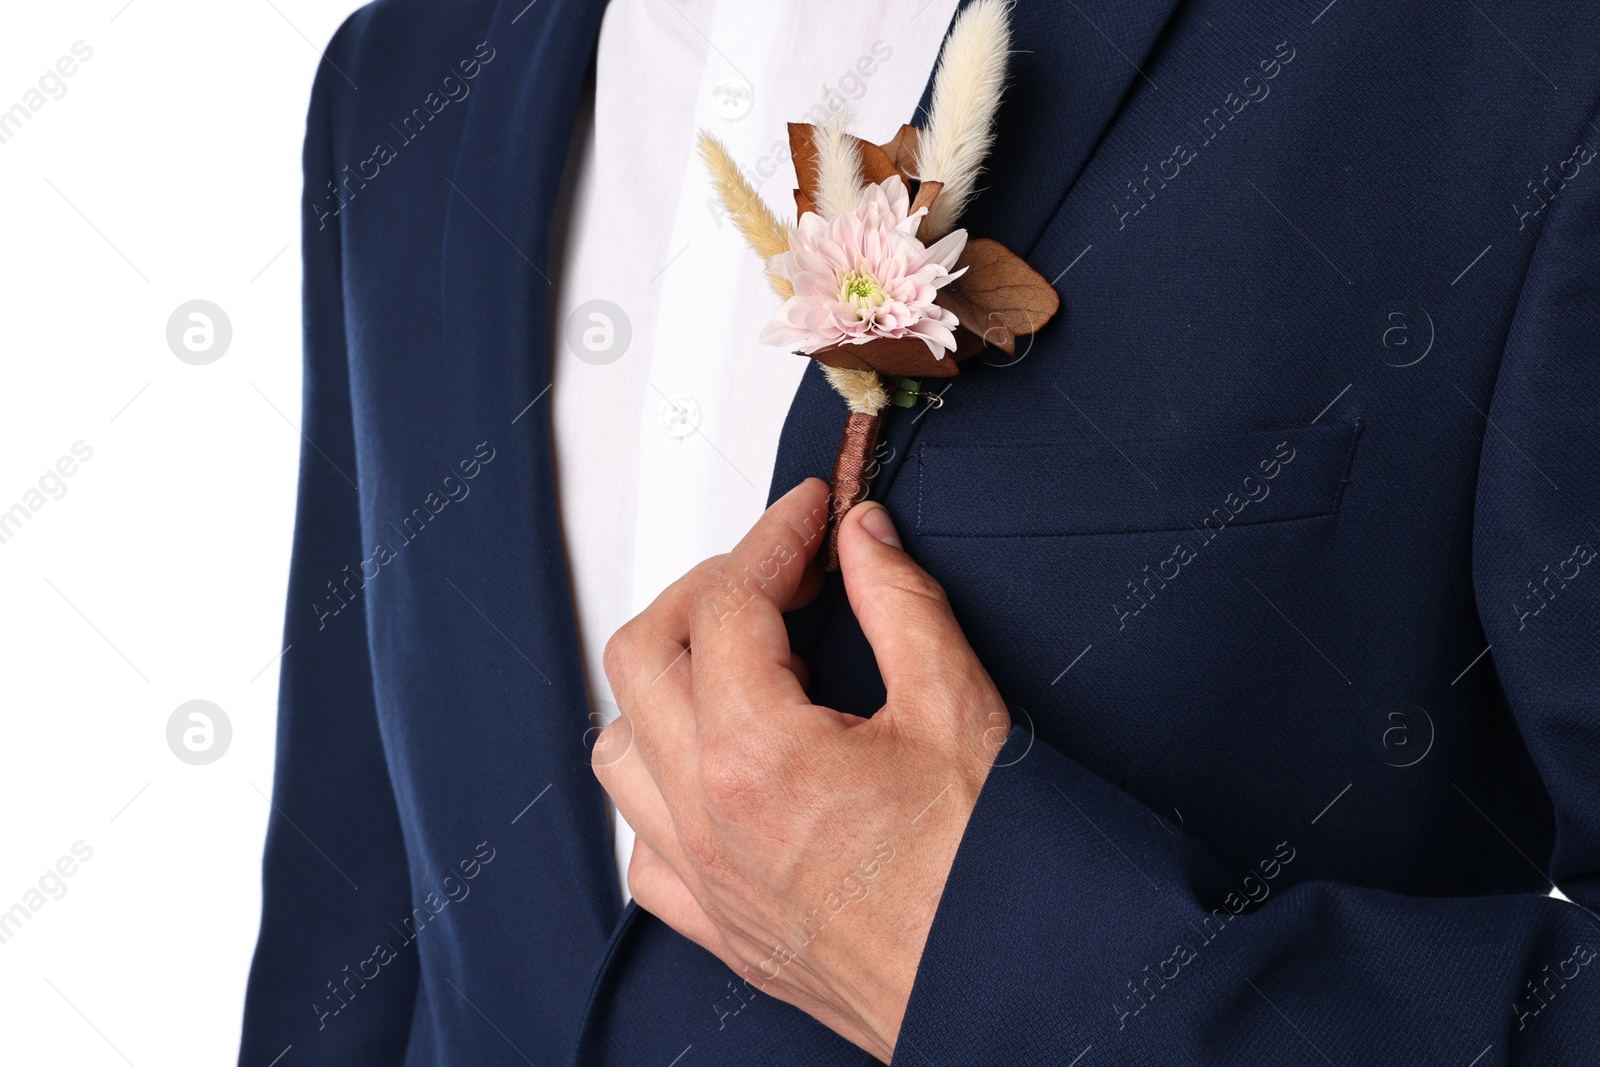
{"type": "Point", "coordinates": [158, 577]}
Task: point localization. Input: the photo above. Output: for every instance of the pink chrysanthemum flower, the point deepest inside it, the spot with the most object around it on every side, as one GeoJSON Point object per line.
{"type": "Point", "coordinates": [864, 275]}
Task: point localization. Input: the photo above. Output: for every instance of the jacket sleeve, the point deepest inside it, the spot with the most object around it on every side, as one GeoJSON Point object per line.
{"type": "Point", "coordinates": [1073, 926]}
{"type": "Point", "coordinates": [335, 877]}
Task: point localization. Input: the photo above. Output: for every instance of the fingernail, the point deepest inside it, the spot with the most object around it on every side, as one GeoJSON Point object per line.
{"type": "Point", "coordinates": [876, 521]}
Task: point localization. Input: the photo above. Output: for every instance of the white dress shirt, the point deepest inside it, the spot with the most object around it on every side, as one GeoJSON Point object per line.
{"type": "Point", "coordinates": [666, 409]}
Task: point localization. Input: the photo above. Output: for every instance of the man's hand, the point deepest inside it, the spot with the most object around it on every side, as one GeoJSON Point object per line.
{"type": "Point", "coordinates": [804, 847]}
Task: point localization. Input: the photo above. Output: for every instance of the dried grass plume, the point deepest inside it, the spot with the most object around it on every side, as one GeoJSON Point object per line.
{"type": "Point", "coordinates": [754, 219]}
{"type": "Point", "coordinates": [863, 390]}
{"type": "Point", "coordinates": [966, 95]}
{"type": "Point", "coordinates": [839, 179]}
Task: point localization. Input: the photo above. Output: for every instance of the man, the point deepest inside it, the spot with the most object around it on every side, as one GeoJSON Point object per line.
{"type": "Point", "coordinates": [1272, 553]}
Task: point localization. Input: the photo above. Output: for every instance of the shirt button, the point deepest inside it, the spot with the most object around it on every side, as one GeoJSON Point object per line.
{"type": "Point", "coordinates": [680, 416]}
{"type": "Point", "coordinates": [733, 98]}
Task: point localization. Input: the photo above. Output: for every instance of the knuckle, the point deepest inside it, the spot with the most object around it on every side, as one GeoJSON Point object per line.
{"type": "Point", "coordinates": [633, 887]}
{"type": "Point", "coordinates": [712, 595]}
{"type": "Point", "coordinates": [703, 592]}
{"type": "Point", "coordinates": [918, 586]}
{"type": "Point", "coordinates": [637, 882]}
{"type": "Point", "coordinates": [622, 651]}
{"type": "Point", "coordinates": [611, 743]}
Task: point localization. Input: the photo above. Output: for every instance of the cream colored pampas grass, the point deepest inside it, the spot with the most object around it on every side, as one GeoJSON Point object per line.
{"type": "Point", "coordinates": [754, 219]}
{"type": "Point", "coordinates": [839, 178]}
{"type": "Point", "coordinates": [966, 95]}
{"type": "Point", "coordinates": [863, 390]}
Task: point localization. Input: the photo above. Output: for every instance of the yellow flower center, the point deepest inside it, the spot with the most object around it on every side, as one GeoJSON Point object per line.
{"type": "Point", "coordinates": [861, 290]}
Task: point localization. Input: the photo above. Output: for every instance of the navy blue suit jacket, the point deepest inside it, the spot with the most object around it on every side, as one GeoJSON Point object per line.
{"type": "Point", "coordinates": [1280, 541]}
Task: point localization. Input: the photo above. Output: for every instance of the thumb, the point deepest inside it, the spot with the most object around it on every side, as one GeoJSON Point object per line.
{"type": "Point", "coordinates": [922, 654]}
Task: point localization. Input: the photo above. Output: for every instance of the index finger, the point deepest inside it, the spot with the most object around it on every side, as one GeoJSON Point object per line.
{"type": "Point", "coordinates": [741, 646]}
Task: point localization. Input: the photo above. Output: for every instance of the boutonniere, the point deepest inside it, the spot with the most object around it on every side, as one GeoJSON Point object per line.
{"type": "Point", "coordinates": [876, 281]}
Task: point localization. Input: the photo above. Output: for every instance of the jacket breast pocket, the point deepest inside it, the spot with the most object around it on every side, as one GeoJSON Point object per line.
{"type": "Point", "coordinates": [1098, 487]}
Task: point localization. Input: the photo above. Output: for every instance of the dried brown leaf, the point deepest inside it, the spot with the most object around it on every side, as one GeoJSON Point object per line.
{"type": "Point", "coordinates": [902, 149]}
{"type": "Point", "coordinates": [904, 357]}
{"type": "Point", "coordinates": [877, 165]}
{"type": "Point", "coordinates": [803, 149]}
{"type": "Point", "coordinates": [927, 193]}
{"type": "Point", "coordinates": [1000, 298]}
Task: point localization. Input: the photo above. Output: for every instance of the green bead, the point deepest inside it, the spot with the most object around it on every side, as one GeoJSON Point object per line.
{"type": "Point", "coordinates": [905, 394]}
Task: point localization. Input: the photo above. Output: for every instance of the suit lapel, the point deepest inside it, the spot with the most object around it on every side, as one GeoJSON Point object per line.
{"type": "Point", "coordinates": [1073, 66]}
{"type": "Point", "coordinates": [494, 294]}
